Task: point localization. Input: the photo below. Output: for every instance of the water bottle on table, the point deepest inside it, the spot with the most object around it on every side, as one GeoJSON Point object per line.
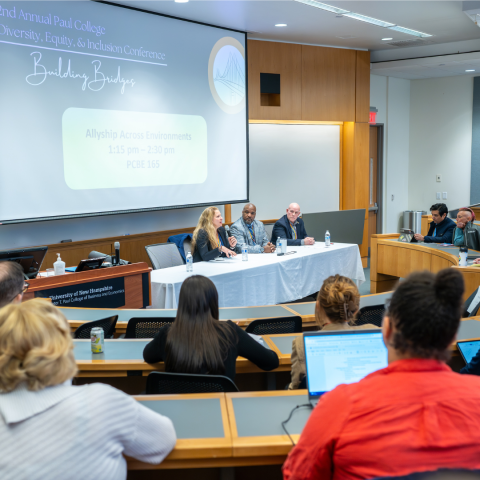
{"type": "Point", "coordinates": [279, 246]}
{"type": "Point", "coordinates": [327, 238]}
{"type": "Point", "coordinates": [462, 256]}
{"type": "Point", "coordinates": [244, 253]}
{"type": "Point", "coordinates": [189, 262]}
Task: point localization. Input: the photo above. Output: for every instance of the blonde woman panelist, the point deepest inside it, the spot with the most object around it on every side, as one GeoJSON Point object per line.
{"type": "Point", "coordinates": [210, 239]}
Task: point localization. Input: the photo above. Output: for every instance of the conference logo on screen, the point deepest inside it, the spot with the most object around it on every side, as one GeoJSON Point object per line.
{"type": "Point", "coordinates": [226, 74]}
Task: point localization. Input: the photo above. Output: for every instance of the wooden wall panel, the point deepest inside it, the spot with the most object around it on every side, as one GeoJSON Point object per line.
{"type": "Point", "coordinates": [132, 247]}
{"type": "Point", "coordinates": [348, 166]}
{"type": "Point", "coordinates": [282, 58]}
{"type": "Point", "coordinates": [362, 87]}
{"type": "Point", "coordinates": [355, 172]}
{"type": "Point", "coordinates": [328, 84]}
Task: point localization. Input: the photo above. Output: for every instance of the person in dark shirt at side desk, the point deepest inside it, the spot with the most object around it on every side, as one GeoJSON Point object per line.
{"type": "Point", "coordinates": [441, 229]}
{"type": "Point", "coordinates": [197, 342]}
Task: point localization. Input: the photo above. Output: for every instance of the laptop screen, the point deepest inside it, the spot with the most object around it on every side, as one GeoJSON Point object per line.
{"type": "Point", "coordinates": [334, 358]}
{"type": "Point", "coordinates": [468, 349]}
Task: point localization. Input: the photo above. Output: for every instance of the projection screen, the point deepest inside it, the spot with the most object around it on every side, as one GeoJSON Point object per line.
{"type": "Point", "coordinates": [106, 109]}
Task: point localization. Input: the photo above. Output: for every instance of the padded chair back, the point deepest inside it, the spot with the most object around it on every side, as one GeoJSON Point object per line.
{"type": "Point", "coordinates": [187, 246]}
{"type": "Point", "coordinates": [373, 314]}
{"type": "Point", "coordinates": [164, 383]}
{"type": "Point", "coordinates": [270, 326]}
{"type": "Point", "coordinates": [108, 325]}
{"type": "Point", "coordinates": [268, 230]}
{"type": "Point", "coordinates": [164, 255]}
{"type": "Point", "coordinates": [146, 327]}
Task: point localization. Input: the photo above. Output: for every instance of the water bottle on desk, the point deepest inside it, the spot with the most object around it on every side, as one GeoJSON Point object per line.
{"type": "Point", "coordinates": [327, 238]}
{"type": "Point", "coordinates": [279, 246]}
{"type": "Point", "coordinates": [189, 262]}
{"type": "Point", "coordinates": [462, 256]}
{"type": "Point", "coordinates": [244, 253]}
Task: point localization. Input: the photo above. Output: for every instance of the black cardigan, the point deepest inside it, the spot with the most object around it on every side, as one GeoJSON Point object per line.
{"type": "Point", "coordinates": [204, 251]}
{"type": "Point", "coordinates": [245, 346]}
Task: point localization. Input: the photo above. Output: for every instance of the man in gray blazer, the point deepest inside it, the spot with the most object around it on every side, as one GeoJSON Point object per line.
{"type": "Point", "coordinates": [252, 232]}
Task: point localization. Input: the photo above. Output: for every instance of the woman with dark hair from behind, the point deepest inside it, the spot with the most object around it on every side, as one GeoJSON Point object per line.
{"type": "Point", "coordinates": [197, 342]}
{"type": "Point", "coordinates": [415, 415]}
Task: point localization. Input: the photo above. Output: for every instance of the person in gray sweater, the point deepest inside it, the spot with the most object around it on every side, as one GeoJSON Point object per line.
{"type": "Point", "coordinates": [52, 430]}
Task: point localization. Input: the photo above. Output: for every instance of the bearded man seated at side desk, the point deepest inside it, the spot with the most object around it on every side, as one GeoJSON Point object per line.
{"type": "Point", "coordinates": [466, 233]}
{"type": "Point", "coordinates": [441, 229]}
{"type": "Point", "coordinates": [249, 231]}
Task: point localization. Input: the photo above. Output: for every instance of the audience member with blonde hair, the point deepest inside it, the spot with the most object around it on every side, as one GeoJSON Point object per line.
{"type": "Point", "coordinates": [338, 302]}
{"type": "Point", "coordinates": [50, 429]}
{"type": "Point", "coordinates": [210, 240]}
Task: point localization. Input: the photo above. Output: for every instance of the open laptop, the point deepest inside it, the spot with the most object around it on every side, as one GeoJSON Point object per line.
{"type": "Point", "coordinates": [468, 349]}
{"type": "Point", "coordinates": [342, 356]}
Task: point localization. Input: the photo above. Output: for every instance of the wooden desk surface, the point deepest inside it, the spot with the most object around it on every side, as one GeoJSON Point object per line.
{"type": "Point", "coordinates": [202, 426]}
{"type": "Point", "coordinates": [391, 260]}
{"type": "Point", "coordinates": [243, 315]}
{"type": "Point", "coordinates": [125, 355]}
{"type": "Point", "coordinates": [234, 429]}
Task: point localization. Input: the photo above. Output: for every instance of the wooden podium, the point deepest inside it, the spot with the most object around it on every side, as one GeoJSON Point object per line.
{"type": "Point", "coordinates": [125, 286]}
{"type": "Point", "coordinates": [391, 260]}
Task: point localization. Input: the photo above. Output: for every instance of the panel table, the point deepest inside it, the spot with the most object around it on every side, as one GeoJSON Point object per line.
{"type": "Point", "coordinates": [264, 279]}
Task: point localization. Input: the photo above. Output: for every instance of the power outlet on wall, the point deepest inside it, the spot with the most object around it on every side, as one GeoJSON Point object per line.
{"type": "Point", "coordinates": [439, 195]}
{"type": "Point", "coordinates": [444, 196]}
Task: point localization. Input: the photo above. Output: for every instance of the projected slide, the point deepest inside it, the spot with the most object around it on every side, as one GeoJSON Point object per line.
{"type": "Point", "coordinates": [108, 109]}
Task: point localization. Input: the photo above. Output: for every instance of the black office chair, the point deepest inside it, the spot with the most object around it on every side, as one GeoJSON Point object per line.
{"type": "Point", "coordinates": [270, 326]}
{"type": "Point", "coordinates": [146, 327]}
{"type": "Point", "coordinates": [164, 383]}
{"type": "Point", "coordinates": [108, 325]}
{"type": "Point", "coordinates": [373, 314]}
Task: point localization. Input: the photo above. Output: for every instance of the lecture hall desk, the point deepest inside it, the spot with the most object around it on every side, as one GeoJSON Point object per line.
{"type": "Point", "coordinates": [240, 429]}
{"type": "Point", "coordinates": [228, 430]}
{"type": "Point", "coordinates": [391, 260]}
{"type": "Point", "coordinates": [242, 315]}
{"type": "Point", "coordinates": [124, 356]}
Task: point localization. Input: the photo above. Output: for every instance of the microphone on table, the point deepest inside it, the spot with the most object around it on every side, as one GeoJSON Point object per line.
{"type": "Point", "coordinates": [117, 253]}
{"type": "Point", "coordinates": [227, 229]}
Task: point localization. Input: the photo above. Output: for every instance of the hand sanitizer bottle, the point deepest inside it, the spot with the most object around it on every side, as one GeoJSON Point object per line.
{"type": "Point", "coordinates": [59, 266]}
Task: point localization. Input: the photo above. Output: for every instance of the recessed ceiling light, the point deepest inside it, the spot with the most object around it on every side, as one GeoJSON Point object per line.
{"type": "Point", "coordinates": [281, 25]}
{"type": "Point", "coordinates": [384, 39]}
{"type": "Point", "coordinates": [469, 70]}
{"type": "Point", "coordinates": [181, 1]}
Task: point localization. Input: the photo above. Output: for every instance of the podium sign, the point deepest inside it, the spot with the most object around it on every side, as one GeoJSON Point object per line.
{"type": "Point", "coordinates": [108, 293]}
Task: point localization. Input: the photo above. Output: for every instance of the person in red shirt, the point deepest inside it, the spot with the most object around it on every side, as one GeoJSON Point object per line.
{"type": "Point", "coordinates": [414, 415]}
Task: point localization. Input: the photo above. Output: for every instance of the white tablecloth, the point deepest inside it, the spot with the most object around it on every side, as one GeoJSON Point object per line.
{"type": "Point", "coordinates": [265, 279]}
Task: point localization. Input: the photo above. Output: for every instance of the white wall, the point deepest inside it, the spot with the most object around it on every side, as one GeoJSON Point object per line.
{"type": "Point", "coordinates": [440, 141]}
{"type": "Point", "coordinates": [391, 96]}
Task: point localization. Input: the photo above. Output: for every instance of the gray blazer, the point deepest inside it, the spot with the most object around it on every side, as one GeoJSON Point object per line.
{"type": "Point", "coordinates": [240, 231]}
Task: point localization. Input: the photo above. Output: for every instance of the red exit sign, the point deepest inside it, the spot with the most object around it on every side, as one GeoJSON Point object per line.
{"type": "Point", "coordinates": [373, 118]}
